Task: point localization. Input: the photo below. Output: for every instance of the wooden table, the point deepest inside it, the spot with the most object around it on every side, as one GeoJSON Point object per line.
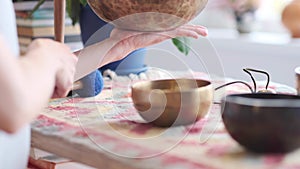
{"type": "Point", "coordinates": [106, 132]}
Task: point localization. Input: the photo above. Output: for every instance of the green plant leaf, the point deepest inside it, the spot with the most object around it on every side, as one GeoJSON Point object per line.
{"type": "Point", "coordinates": [83, 2]}
{"type": "Point", "coordinates": [182, 44]}
{"type": "Point", "coordinates": [73, 10]}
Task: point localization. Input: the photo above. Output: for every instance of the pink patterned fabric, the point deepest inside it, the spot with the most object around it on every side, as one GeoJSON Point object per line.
{"type": "Point", "coordinates": [111, 122]}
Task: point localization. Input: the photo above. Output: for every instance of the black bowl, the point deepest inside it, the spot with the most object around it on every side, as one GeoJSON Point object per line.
{"type": "Point", "coordinates": [263, 123]}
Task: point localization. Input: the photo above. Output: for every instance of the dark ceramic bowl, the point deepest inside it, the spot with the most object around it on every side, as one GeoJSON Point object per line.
{"type": "Point", "coordinates": [263, 123]}
{"type": "Point", "coordinates": [147, 15]}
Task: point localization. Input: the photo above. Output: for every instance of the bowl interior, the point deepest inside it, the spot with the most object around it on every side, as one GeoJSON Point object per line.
{"type": "Point", "coordinates": [264, 100]}
{"type": "Point", "coordinates": [171, 85]}
{"type": "Point", "coordinates": [265, 96]}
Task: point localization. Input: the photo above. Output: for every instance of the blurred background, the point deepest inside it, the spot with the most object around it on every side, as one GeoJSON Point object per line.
{"type": "Point", "coordinates": [267, 14]}
{"type": "Point", "coordinates": [242, 33]}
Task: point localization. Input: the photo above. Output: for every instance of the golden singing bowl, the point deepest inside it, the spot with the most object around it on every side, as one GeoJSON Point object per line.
{"type": "Point", "coordinates": [147, 15]}
{"type": "Point", "coordinates": [172, 102]}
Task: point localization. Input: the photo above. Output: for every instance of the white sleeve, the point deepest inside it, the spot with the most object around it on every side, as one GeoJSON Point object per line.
{"type": "Point", "coordinates": [8, 27]}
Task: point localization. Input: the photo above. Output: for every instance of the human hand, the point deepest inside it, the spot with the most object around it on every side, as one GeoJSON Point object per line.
{"type": "Point", "coordinates": [63, 62]}
{"type": "Point", "coordinates": [128, 41]}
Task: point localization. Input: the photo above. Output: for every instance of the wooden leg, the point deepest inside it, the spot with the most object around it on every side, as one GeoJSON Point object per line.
{"type": "Point", "coordinates": [59, 27]}
{"type": "Point", "coordinates": [59, 19]}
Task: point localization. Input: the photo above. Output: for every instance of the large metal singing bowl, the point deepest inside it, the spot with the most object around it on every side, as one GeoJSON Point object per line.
{"type": "Point", "coordinates": [147, 15]}
{"type": "Point", "coordinates": [173, 102]}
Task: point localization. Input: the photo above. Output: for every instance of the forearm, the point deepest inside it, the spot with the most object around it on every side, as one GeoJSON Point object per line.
{"type": "Point", "coordinates": [93, 57]}
{"type": "Point", "coordinates": [122, 42]}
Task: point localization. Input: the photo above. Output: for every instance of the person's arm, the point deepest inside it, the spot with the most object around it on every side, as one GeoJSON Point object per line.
{"type": "Point", "coordinates": [121, 43]}
{"type": "Point", "coordinates": [27, 83]}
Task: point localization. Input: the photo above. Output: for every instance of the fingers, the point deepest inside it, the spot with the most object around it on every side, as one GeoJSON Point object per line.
{"type": "Point", "coordinates": [58, 93]}
{"type": "Point", "coordinates": [193, 31]}
{"type": "Point", "coordinates": [200, 30]}
{"type": "Point", "coordinates": [63, 63]}
{"type": "Point", "coordinates": [189, 31]}
{"type": "Point", "coordinates": [65, 75]}
{"type": "Point", "coordinates": [63, 87]}
{"type": "Point", "coordinates": [65, 79]}
{"type": "Point", "coordinates": [195, 26]}
{"type": "Point", "coordinates": [127, 41]}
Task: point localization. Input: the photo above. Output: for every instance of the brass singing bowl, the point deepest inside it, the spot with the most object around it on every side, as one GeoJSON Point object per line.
{"type": "Point", "coordinates": [173, 102]}
{"type": "Point", "coordinates": [147, 15]}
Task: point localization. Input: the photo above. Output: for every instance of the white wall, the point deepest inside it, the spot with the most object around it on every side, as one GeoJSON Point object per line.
{"type": "Point", "coordinates": [224, 52]}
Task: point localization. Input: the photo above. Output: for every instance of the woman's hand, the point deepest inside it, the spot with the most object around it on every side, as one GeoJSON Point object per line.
{"type": "Point", "coordinates": [121, 43]}
{"type": "Point", "coordinates": [62, 60]}
{"type": "Point", "coordinates": [128, 41]}
{"type": "Point", "coordinates": [28, 82]}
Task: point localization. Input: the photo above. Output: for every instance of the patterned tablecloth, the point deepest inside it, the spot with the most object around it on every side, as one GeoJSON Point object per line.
{"type": "Point", "coordinates": [106, 132]}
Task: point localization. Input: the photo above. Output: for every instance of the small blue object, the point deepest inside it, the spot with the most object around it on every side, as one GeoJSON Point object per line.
{"type": "Point", "coordinates": [92, 85]}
